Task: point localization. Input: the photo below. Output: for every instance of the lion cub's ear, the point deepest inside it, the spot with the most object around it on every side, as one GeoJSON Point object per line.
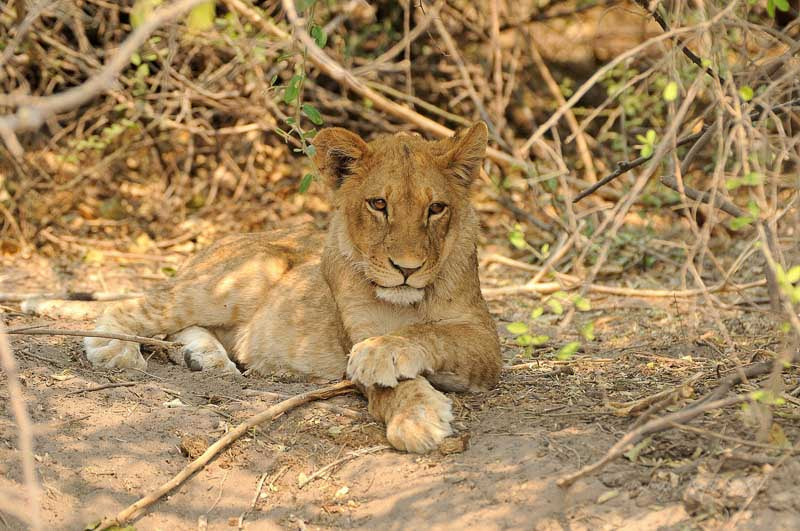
{"type": "Point", "coordinates": [337, 150]}
{"type": "Point", "coordinates": [464, 153]}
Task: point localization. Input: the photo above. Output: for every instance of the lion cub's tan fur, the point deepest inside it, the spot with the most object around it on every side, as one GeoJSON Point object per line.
{"type": "Point", "coordinates": [389, 297]}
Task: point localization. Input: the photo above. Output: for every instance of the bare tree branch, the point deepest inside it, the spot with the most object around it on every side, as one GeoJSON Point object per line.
{"type": "Point", "coordinates": [34, 111]}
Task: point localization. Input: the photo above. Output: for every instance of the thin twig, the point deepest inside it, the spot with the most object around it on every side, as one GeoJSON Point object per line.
{"type": "Point", "coordinates": [268, 414]}
{"type": "Point", "coordinates": [352, 455]}
{"type": "Point", "coordinates": [101, 387]}
{"type": "Point", "coordinates": [24, 431]}
{"type": "Point", "coordinates": [27, 331]}
{"type": "Point", "coordinates": [654, 426]}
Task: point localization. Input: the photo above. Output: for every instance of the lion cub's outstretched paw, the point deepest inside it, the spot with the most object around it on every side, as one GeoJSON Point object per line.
{"type": "Point", "coordinates": [202, 351]}
{"type": "Point", "coordinates": [422, 424]}
{"type": "Point", "coordinates": [113, 354]}
{"type": "Point", "coordinates": [385, 360]}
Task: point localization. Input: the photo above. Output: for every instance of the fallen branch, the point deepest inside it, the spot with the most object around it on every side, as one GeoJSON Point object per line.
{"type": "Point", "coordinates": [101, 387]}
{"type": "Point", "coordinates": [28, 331]}
{"type": "Point", "coordinates": [544, 288]}
{"type": "Point", "coordinates": [268, 414]}
{"type": "Point", "coordinates": [69, 296]}
{"type": "Point", "coordinates": [633, 437]}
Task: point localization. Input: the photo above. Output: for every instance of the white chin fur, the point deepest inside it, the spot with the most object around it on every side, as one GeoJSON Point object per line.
{"type": "Point", "coordinates": [402, 295]}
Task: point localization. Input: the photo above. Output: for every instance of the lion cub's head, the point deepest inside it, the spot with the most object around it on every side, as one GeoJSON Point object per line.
{"type": "Point", "coordinates": [403, 214]}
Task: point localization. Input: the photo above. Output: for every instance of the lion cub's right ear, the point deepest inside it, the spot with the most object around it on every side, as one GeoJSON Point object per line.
{"type": "Point", "coordinates": [337, 150]}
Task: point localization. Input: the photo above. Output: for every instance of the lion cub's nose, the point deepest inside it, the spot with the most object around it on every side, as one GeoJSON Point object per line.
{"type": "Point", "coordinates": [406, 267]}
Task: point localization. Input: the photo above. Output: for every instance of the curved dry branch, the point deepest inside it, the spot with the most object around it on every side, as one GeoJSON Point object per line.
{"type": "Point", "coordinates": [33, 112]}
{"type": "Point", "coordinates": [268, 414]}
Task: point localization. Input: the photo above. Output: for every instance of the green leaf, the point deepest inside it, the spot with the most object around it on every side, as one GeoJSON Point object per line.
{"type": "Point", "coordinates": [517, 238]}
{"type": "Point", "coordinates": [302, 5]}
{"type": "Point", "coordinates": [646, 150]}
{"type": "Point", "coordinates": [752, 179]}
{"type": "Point", "coordinates": [651, 136]}
{"type": "Point", "coordinates": [517, 328]}
{"type": "Point", "coordinates": [545, 250]}
{"type": "Point", "coordinates": [782, 5]}
{"type": "Point", "coordinates": [537, 312]}
{"type": "Point", "coordinates": [319, 35]}
{"type": "Point", "coordinates": [305, 182]}
{"type": "Point", "coordinates": [568, 350]}
{"type": "Point", "coordinates": [202, 16]}
{"type": "Point", "coordinates": [670, 91]}
{"type": "Point", "coordinates": [793, 275]}
{"type": "Point", "coordinates": [634, 452]}
{"type": "Point", "coordinates": [539, 340]}
{"type": "Point", "coordinates": [740, 223]}
{"type": "Point", "coordinates": [141, 11]}
{"type": "Point", "coordinates": [524, 340]}
{"type": "Point", "coordinates": [312, 113]}
{"type": "Point", "coordinates": [555, 306]}
{"type": "Point", "coordinates": [560, 295]}
{"type": "Point", "coordinates": [587, 331]}
{"type": "Point", "coordinates": [136, 59]}
{"type": "Point", "coordinates": [292, 90]}
{"type": "Point", "coordinates": [733, 183]}
{"type": "Point", "coordinates": [746, 93]}
{"type": "Point", "coordinates": [752, 207]}
{"type": "Point", "coordinates": [310, 150]}
{"type": "Point", "coordinates": [582, 304]}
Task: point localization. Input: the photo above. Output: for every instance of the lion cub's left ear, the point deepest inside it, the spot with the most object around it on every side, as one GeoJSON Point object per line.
{"type": "Point", "coordinates": [464, 154]}
{"type": "Point", "coordinates": [337, 152]}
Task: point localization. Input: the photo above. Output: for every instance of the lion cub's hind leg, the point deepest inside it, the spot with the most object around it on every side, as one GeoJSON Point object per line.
{"type": "Point", "coordinates": [202, 351]}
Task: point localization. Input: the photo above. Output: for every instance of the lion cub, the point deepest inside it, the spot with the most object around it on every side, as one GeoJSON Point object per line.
{"type": "Point", "coordinates": [389, 297]}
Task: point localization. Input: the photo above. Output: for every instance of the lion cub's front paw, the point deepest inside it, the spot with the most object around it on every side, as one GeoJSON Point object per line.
{"type": "Point", "coordinates": [385, 360]}
{"type": "Point", "coordinates": [113, 354]}
{"type": "Point", "coordinates": [420, 426]}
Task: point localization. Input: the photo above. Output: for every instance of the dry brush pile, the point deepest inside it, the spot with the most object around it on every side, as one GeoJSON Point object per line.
{"type": "Point", "coordinates": [625, 135]}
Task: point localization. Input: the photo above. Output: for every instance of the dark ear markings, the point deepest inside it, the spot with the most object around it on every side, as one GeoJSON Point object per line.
{"type": "Point", "coordinates": [341, 165]}
{"type": "Point", "coordinates": [337, 152]}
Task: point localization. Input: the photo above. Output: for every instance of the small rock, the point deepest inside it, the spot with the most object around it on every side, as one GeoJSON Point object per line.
{"type": "Point", "coordinates": [193, 446]}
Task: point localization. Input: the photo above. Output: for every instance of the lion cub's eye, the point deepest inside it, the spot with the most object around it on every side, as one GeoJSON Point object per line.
{"type": "Point", "coordinates": [377, 203]}
{"type": "Point", "coordinates": [436, 208]}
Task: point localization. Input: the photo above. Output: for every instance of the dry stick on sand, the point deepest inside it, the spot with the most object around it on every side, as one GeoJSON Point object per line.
{"type": "Point", "coordinates": [86, 333]}
{"type": "Point", "coordinates": [352, 455]}
{"type": "Point", "coordinates": [702, 405]}
{"type": "Point", "coordinates": [101, 387]}
{"type": "Point", "coordinates": [654, 426]}
{"type": "Point", "coordinates": [25, 431]}
{"type": "Point", "coordinates": [268, 414]}
{"type": "Point", "coordinates": [68, 296]}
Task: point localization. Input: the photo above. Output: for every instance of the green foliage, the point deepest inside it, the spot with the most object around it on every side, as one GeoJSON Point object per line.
{"type": "Point", "coordinates": [647, 143]}
{"type": "Point", "coordinates": [201, 17]}
{"type": "Point", "coordinates": [782, 5]}
{"type": "Point", "coordinates": [568, 350]}
{"type": "Point", "coordinates": [746, 93]}
{"type": "Point", "coordinates": [517, 238]}
{"type": "Point", "coordinates": [517, 328]}
{"type": "Point", "coordinates": [670, 92]}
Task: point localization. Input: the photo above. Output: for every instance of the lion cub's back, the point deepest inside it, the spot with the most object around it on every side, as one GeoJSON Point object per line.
{"type": "Point", "coordinates": [239, 270]}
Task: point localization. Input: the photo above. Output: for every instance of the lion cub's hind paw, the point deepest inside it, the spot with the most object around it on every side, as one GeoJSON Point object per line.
{"type": "Point", "coordinates": [423, 426]}
{"type": "Point", "coordinates": [203, 352]}
{"type": "Point", "coordinates": [113, 354]}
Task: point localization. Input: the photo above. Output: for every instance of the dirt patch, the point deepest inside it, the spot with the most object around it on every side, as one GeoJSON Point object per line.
{"type": "Point", "coordinates": [98, 451]}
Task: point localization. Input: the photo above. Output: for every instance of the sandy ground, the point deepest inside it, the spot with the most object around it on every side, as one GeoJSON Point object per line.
{"type": "Point", "coordinates": [99, 451]}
